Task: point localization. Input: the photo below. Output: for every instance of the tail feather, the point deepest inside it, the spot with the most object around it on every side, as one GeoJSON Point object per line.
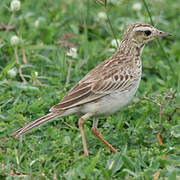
{"type": "Point", "coordinates": [35, 124]}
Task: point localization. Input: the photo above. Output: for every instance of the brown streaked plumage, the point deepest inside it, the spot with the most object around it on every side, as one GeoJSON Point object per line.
{"type": "Point", "coordinates": [108, 87]}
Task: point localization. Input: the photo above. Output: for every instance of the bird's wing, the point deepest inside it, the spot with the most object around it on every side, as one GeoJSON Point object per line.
{"type": "Point", "coordinates": [109, 77]}
{"type": "Point", "coordinates": [78, 95]}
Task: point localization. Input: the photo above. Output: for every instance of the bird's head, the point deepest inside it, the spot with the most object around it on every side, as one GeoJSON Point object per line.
{"type": "Point", "coordinates": [141, 33]}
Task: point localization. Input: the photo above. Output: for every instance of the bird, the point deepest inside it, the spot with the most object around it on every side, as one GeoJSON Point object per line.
{"type": "Point", "coordinates": [107, 88]}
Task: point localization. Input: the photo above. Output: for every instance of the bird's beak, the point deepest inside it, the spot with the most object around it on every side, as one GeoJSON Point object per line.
{"type": "Point", "coordinates": [163, 34]}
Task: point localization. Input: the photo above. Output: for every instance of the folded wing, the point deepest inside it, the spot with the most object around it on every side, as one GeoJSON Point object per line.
{"type": "Point", "coordinates": [101, 81]}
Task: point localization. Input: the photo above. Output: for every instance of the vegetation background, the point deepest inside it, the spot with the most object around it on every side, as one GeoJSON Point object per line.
{"type": "Point", "coordinates": [33, 77]}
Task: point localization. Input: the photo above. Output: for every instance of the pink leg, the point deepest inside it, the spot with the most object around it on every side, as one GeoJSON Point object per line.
{"type": "Point", "coordinates": [97, 134]}
{"type": "Point", "coordinates": [80, 123]}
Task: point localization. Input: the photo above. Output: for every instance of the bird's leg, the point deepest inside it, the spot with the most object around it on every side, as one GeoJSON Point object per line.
{"type": "Point", "coordinates": [80, 123]}
{"type": "Point", "coordinates": [98, 135]}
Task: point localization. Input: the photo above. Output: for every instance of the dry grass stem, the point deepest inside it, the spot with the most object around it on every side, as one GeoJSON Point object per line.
{"type": "Point", "coordinates": [24, 56]}
{"type": "Point", "coordinates": [68, 124]}
{"type": "Point", "coordinates": [19, 67]}
{"type": "Point", "coordinates": [8, 26]}
{"type": "Point", "coordinates": [69, 73]}
{"type": "Point", "coordinates": [3, 27]}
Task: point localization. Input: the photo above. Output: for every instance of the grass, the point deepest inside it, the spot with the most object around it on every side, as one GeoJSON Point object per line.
{"type": "Point", "coordinates": [146, 132]}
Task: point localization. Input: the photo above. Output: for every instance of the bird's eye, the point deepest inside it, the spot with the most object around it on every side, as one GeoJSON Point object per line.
{"type": "Point", "coordinates": [147, 32]}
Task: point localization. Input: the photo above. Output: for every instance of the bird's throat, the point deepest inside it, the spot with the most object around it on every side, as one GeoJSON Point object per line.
{"type": "Point", "coordinates": [131, 48]}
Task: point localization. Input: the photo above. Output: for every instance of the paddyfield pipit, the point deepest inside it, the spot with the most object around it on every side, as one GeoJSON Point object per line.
{"type": "Point", "coordinates": [108, 87]}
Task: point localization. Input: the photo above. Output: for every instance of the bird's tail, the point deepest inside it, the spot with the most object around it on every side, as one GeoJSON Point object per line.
{"type": "Point", "coordinates": [35, 124]}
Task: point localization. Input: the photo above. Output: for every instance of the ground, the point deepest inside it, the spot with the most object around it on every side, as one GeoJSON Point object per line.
{"type": "Point", "coordinates": [34, 75]}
